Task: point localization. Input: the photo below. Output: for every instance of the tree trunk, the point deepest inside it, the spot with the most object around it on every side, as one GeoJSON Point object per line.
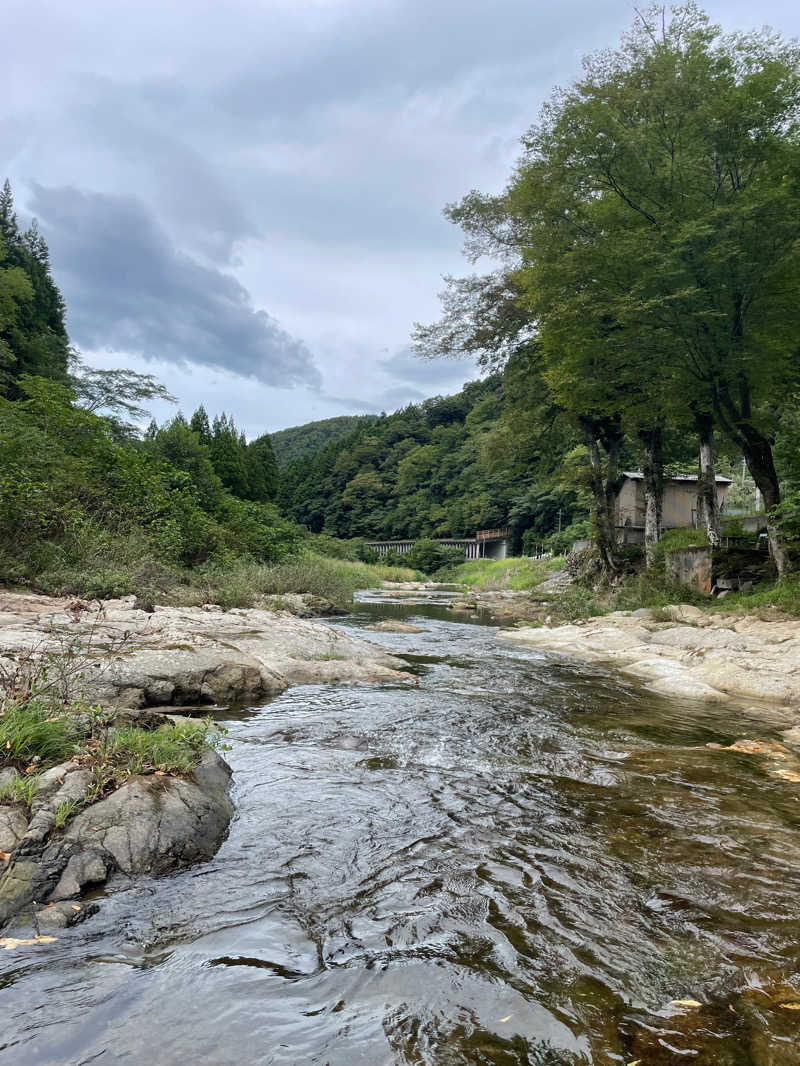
{"type": "Point", "coordinates": [604, 487]}
{"type": "Point", "coordinates": [653, 469]}
{"type": "Point", "coordinates": [707, 501]}
{"type": "Point", "coordinates": [757, 451]}
{"type": "Point", "coordinates": [758, 454]}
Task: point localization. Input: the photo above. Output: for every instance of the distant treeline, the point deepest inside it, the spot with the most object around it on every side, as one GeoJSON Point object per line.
{"type": "Point", "coordinates": [445, 467]}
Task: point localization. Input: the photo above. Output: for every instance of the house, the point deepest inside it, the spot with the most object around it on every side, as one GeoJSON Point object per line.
{"type": "Point", "coordinates": [679, 507]}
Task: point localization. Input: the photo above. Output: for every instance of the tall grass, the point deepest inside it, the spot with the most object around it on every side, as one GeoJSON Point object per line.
{"type": "Point", "coordinates": [495, 574]}
{"type": "Point", "coordinates": [100, 566]}
{"type": "Point", "coordinates": [29, 731]}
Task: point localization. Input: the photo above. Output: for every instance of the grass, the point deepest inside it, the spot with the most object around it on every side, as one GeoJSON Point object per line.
{"type": "Point", "coordinates": [175, 748]}
{"type": "Point", "coordinates": [20, 790]}
{"type": "Point", "coordinates": [34, 732]}
{"type": "Point", "coordinates": [125, 565]}
{"type": "Point", "coordinates": [495, 574]}
{"type": "Point", "coordinates": [783, 596]}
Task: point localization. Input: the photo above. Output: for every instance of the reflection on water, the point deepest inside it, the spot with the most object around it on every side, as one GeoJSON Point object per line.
{"type": "Point", "coordinates": [520, 861]}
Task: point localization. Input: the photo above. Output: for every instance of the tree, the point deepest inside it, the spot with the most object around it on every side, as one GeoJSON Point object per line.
{"type": "Point", "coordinates": [228, 455]}
{"type": "Point", "coordinates": [262, 469]}
{"type": "Point", "coordinates": [200, 425]}
{"type": "Point", "coordinates": [34, 339]}
{"type": "Point", "coordinates": [180, 446]}
{"type": "Point", "coordinates": [687, 141]}
{"type": "Point", "coordinates": [116, 393]}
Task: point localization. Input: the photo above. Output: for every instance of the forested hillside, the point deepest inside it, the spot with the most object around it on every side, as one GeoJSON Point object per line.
{"type": "Point", "coordinates": [89, 504]}
{"type": "Point", "coordinates": [299, 441]}
{"type": "Point", "coordinates": [33, 338]}
{"type": "Point", "coordinates": [445, 467]}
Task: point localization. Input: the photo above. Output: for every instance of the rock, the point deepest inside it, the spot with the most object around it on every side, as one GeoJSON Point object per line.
{"type": "Point", "coordinates": [13, 824]}
{"type": "Point", "coordinates": [700, 655]}
{"type": "Point", "coordinates": [150, 825]}
{"type": "Point", "coordinates": [199, 656]}
{"type": "Point", "coordinates": [63, 915]}
{"type": "Point", "coordinates": [390, 625]}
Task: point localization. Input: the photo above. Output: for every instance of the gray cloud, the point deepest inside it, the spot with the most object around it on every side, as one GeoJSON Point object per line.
{"type": "Point", "coordinates": [276, 155]}
{"type": "Point", "coordinates": [129, 289]}
{"type": "Point", "coordinates": [433, 373]}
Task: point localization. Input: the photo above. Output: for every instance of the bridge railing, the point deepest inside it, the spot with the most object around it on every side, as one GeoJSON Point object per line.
{"type": "Point", "coordinates": [492, 534]}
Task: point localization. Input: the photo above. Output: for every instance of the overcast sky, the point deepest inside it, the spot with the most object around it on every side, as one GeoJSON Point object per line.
{"type": "Point", "coordinates": [245, 198]}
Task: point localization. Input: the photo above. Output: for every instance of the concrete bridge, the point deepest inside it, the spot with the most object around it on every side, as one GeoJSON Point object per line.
{"type": "Point", "coordinates": [486, 544]}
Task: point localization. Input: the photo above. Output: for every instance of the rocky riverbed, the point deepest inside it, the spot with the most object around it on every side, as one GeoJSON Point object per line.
{"type": "Point", "coordinates": [686, 652]}
{"type": "Point", "coordinates": [142, 666]}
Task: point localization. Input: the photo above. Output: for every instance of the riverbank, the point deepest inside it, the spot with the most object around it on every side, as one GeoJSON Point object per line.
{"type": "Point", "coordinates": [102, 770]}
{"type": "Point", "coordinates": [687, 652]}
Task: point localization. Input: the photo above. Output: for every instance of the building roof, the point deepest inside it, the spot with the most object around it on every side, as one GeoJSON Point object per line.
{"type": "Point", "coordinates": [637, 475]}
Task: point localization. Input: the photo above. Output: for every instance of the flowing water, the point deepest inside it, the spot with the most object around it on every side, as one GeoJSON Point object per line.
{"type": "Point", "coordinates": [516, 861]}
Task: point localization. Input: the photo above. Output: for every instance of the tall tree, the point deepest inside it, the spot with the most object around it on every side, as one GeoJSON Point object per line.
{"type": "Point", "coordinates": [228, 455]}
{"type": "Point", "coordinates": [34, 340]}
{"type": "Point", "coordinates": [262, 469]}
{"type": "Point", "coordinates": [688, 140]}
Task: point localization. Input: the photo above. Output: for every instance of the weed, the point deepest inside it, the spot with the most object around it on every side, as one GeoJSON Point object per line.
{"type": "Point", "coordinates": [65, 811]}
{"type": "Point", "coordinates": [518, 574]}
{"type": "Point", "coordinates": [20, 790]}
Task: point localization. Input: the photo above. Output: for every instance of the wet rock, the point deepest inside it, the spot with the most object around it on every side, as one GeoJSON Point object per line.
{"type": "Point", "coordinates": [698, 655]}
{"type": "Point", "coordinates": [391, 625]}
{"type": "Point", "coordinates": [64, 914]}
{"type": "Point", "coordinates": [151, 824]}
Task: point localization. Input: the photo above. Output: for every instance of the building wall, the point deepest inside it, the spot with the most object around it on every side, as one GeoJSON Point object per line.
{"type": "Point", "coordinates": [679, 508]}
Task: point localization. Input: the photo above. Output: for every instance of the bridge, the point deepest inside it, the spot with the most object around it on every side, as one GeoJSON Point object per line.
{"type": "Point", "coordinates": [486, 544]}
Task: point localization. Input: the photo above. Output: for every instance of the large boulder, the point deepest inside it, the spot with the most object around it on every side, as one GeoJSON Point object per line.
{"type": "Point", "coordinates": [151, 824]}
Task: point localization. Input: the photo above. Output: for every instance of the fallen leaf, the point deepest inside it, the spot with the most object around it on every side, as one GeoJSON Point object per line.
{"type": "Point", "coordinates": [4, 856]}
{"type": "Point", "coordinates": [507, 1018]}
{"type": "Point", "coordinates": [685, 1003]}
{"type": "Point", "coordinates": [730, 1008]}
{"type": "Point", "coordinates": [790, 1006]}
{"type": "Point", "coordinates": [770, 748]}
{"type": "Point", "coordinates": [787, 775]}
{"type": "Point", "coordinates": [160, 773]}
{"type": "Point", "coordinates": [9, 942]}
{"type": "Point", "coordinates": [76, 906]}
{"type": "Point", "coordinates": [634, 1062]}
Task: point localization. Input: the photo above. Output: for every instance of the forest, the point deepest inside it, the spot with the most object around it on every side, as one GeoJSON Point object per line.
{"type": "Point", "coordinates": [641, 313]}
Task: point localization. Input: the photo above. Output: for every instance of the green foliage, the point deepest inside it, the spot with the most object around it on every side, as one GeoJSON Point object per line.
{"type": "Point", "coordinates": [787, 515]}
{"type": "Point", "coordinates": [431, 470]}
{"type": "Point", "coordinates": [429, 556]}
{"type": "Point", "coordinates": [33, 338]}
{"type": "Point", "coordinates": [783, 596]}
{"type": "Point", "coordinates": [169, 749]}
{"type": "Point", "coordinates": [30, 733]}
{"type": "Point", "coordinates": [302, 441]}
{"type": "Point", "coordinates": [517, 574]}
{"type": "Point", "coordinates": [82, 510]}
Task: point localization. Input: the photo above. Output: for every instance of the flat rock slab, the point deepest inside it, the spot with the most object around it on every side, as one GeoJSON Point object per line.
{"type": "Point", "coordinates": [694, 654]}
{"type": "Point", "coordinates": [183, 655]}
{"type": "Point", "coordinates": [391, 625]}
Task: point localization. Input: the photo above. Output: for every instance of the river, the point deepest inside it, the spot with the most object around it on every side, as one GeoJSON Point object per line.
{"type": "Point", "coordinates": [516, 861]}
